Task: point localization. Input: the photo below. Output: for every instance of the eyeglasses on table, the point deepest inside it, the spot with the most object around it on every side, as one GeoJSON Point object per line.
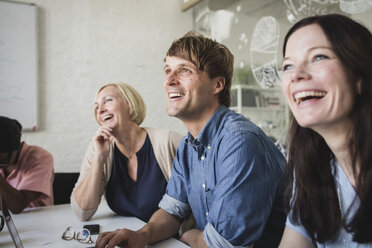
{"type": "Point", "coordinates": [83, 236]}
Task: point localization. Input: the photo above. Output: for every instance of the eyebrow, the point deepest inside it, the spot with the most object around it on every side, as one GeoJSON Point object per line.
{"type": "Point", "coordinates": [181, 65]}
{"type": "Point", "coordinates": [310, 50]}
{"type": "Point", "coordinates": [95, 103]}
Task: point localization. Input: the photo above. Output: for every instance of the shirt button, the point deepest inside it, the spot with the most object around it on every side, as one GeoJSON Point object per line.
{"type": "Point", "coordinates": [206, 213]}
{"type": "Point", "coordinates": [202, 157]}
{"type": "Point", "coordinates": [209, 147]}
{"type": "Point", "coordinates": [203, 185]}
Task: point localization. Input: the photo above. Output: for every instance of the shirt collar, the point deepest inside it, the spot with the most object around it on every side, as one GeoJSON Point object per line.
{"type": "Point", "coordinates": [208, 132]}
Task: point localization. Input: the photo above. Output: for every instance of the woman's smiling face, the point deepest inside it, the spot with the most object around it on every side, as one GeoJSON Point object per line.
{"type": "Point", "coordinates": [314, 81]}
{"type": "Point", "coordinates": [111, 109]}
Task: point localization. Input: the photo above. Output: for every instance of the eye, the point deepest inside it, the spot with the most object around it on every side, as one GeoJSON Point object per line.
{"type": "Point", "coordinates": [167, 71]}
{"type": "Point", "coordinates": [184, 70]}
{"type": "Point", "coordinates": [287, 67]}
{"type": "Point", "coordinates": [107, 100]}
{"type": "Point", "coordinates": [320, 57]}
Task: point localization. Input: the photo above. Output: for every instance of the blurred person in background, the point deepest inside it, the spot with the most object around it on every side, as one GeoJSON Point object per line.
{"type": "Point", "coordinates": [26, 171]}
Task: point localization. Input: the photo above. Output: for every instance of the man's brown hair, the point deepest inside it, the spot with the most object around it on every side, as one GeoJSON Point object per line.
{"type": "Point", "coordinates": [207, 55]}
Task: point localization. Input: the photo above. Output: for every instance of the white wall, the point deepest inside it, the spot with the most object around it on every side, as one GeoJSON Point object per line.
{"type": "Point", "coordinates": [84, 44]}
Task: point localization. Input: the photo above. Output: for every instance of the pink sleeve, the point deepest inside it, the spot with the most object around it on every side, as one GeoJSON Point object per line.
{"type": "Point", "coordinates": [35, 173]}
{"type": "Point", "coordinates": [39, 175]}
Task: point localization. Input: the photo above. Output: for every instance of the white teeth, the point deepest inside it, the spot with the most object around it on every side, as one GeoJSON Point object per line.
{"type": "Point", "coordinates": [175, 94]}
{"type": "Point", "coordinates": [106, 117]}
{"type": "Point", "coordinates": [300, 95]}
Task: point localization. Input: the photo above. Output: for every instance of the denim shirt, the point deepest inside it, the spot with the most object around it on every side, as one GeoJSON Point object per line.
{"type": "Point", "coordinates": [228, 177]}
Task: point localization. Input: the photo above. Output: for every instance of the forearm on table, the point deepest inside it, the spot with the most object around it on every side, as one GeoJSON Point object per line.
{"type": "Point", "coordinates": [162, 225]}
{"type": "Point", "coordinates": [194, 238]}
{"type": "Point", "coordinates": [16, 200]}
{"type": "Point", "coordinates": [87, 193]}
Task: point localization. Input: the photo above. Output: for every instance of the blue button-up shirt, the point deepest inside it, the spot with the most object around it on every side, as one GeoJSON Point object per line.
{"type": "Point", "coordinates": [228, 177]}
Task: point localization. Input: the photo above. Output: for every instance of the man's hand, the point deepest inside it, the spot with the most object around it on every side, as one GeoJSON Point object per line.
{"type": "Point", "coordinates": [162, 225]}
{"type": "Point", "coordinates": [194, 238]}
{"type": "Point", "coordinates": [122, 238]}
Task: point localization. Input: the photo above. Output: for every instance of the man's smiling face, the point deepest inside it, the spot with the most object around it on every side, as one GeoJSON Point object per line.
{"type": "Point", "coordinates": [189, 90]}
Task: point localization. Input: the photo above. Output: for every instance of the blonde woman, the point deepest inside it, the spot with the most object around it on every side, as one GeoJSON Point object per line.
{"type": "Point", "coordinates": [127, 163]}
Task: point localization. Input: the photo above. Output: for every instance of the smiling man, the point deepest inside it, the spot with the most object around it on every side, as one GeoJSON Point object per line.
{"type": "Point", "coordinates": [226, 172]}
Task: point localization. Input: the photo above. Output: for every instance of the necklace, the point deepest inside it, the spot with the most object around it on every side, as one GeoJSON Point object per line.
{"type": "Point", "coordinates": [340, 206]}
{"type": "Point", "coordinates": [123, 145]}
{"type": "Point", "coordinates": [130, 155]}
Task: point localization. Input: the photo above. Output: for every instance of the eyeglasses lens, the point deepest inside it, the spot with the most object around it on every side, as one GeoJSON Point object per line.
{"type": "Point", "coordinates": [83, 236]}
{"type": "Point", "coordinates": [69, 234]}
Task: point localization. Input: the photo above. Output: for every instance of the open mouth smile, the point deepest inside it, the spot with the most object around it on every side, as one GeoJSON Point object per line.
{"type": "Point", "coordinates": [308, 95]}
{"type": "Point", "coordinates": [107, 117]}
{"type": "Point", "coordinates": [174, 95]}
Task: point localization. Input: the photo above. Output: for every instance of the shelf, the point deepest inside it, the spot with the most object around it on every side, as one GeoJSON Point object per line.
{"type": "Point", "coordinates": [265, 107]}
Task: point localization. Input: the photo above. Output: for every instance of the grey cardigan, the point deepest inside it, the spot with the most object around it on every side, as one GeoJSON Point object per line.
{"type": "Point", "coordinates": [164, 143]}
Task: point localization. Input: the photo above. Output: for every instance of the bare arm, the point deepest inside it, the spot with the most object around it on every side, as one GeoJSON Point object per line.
{"type": "Point", "coordinates": [292, 239]}
{"type": "Point", "coordinates": [162, 225]}
{"type": "Point", "coordinates": [17, 200]}
{"type": "Point", "coordinates": [194, 238]}
{"type": "Point", "coordinates": [86, 192]}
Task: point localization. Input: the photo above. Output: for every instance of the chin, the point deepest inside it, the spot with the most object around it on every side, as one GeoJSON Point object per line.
{"type": "Point", "coordinates": [173, 112]}
{"type": "Point", "coordinates": [110, 125]}
{"type": "Point", "coordinates": [306, 120]}
{"type": "Point", "coordinates": [307, 123]}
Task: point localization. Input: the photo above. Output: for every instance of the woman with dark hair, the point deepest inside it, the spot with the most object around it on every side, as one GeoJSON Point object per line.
{"type": "Point", "coordinates": [327, 80]}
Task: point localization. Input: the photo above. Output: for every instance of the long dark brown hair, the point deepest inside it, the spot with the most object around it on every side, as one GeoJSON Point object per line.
{"type": "Point", "coordinates": [315, 202]}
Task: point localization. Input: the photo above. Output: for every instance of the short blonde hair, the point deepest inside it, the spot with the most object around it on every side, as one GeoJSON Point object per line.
{"type": "Point", "coordinates": [137, 107]}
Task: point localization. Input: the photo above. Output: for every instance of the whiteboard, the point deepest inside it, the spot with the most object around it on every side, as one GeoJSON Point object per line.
{"type": "Point", "coordinates": [18, 63]}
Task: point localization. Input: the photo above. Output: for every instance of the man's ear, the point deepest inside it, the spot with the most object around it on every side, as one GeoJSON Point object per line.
{"type": "Point", "coordinates": [219, 84]}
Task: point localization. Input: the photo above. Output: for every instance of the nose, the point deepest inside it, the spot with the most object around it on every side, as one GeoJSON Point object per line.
{"type": "Point", "coordinates": [171, 79]}
{"type": "Point", "coordinates": [300, 73]}
{"type": "Point", "coordinates": [100, 108]}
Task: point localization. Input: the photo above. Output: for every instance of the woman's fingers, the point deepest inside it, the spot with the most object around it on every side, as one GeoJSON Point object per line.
{"type": "Point", "coordinates": [103, 133]}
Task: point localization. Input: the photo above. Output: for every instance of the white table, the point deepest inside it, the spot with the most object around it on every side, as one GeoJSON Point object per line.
{"type": "Point", "coordinates": [43, 227]}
